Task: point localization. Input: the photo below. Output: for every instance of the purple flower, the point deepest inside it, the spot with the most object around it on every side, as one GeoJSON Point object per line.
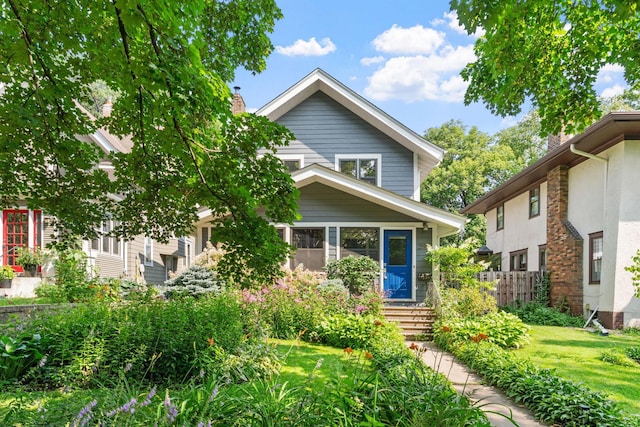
{"type": "Point", "coordinates": [128, 367]}
{"type": "Point", "coordinates": [214, 393]}
{"type": "Point", "coordinates": [147, 401]}
{"type": "Point", "coordinates": [172, 414]}
{"type": "Point", "coordinates": [43, 361]}
{"type": "Point", "coordinates": [360, 308]}
{"type": "Point", "coordinates": [85, 414]}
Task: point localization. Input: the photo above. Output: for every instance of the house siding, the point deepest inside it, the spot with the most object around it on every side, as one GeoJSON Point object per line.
{"type": "Point", "coordinates": [520, 231]}
{"type": "Point", "coordinates": [423, 238]}
{"type": "Point", "coordinates": [323, 129]}
{"type": "Point", "coordinates": [319, 203]}
{"type": "Point", "coordinates": [155, 274]}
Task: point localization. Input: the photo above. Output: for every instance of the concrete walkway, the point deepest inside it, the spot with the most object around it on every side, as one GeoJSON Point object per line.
{"type": "Point", "coordinates": [491, 399]}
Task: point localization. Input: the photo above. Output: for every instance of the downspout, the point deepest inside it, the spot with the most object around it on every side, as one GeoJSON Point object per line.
{"type": "Point", "coordinates": [574, 150]}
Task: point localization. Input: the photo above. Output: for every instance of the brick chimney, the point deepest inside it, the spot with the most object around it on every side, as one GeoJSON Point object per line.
{"type": "Point", "coordinates": [554, 141]}
{"type": "Point", "coordinates": [237, 104]}
{"type": "Point", "coordinates": [107, 107]}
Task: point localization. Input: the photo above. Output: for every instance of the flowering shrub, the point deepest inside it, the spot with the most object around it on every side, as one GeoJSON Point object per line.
{"type": "Point", "coordinates": [298, 302]}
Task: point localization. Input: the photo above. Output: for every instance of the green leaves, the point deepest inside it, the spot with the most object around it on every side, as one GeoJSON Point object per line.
{"type": "Point", "coordinates": [548, 53]}
{"type": "Point", "coordinates": [168, 65]}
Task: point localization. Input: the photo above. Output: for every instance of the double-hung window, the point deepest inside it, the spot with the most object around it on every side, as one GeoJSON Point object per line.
{"type": "Point", "coordinates": [365, 167]}
{"type": "Point", "coordinates": [518, 260]}
{"type": "Point", "coordinates": [595, 257]}
{"type": "Point", "coordinates": [534, 202]}
{"type": "Point", "coordinates": [500, 217]}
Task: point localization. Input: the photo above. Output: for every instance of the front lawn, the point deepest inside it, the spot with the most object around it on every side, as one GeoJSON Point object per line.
{"type": "Point", "coordinates": [575, 354]}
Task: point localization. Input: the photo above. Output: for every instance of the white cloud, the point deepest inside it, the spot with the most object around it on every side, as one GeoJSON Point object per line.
{"type": "Point", "coordinates": [372, 60]}
{"type": "Point", "coordinates": [451, 21]}
{"type": "Point", "coordinates": [612, 91]}
{"type": "Point", "coordinates": [418, 78]}
{"type": "Point", "coordinates": [409, 41]}
{"type": "Point", "coordinates": [610, 73]}
{"type": "Point", "coordinates": [309, 47]}
{"type": "Point", "coordinates": [612, 68]}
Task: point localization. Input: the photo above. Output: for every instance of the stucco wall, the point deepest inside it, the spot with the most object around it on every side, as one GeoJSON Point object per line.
{"type": "Point", "coordinates": [586, 213]}
{"type": "Point", "coordinates": [520, 231]}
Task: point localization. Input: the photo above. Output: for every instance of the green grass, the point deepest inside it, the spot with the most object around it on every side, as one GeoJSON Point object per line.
{"type": "Point", "coordinates": [301, 358]}
{"type": "Point", "coordinates": [575, 355]}
{"type": "Point", "coordinates": [24, 301]}
{"type": "Point", "coordinates": [300, 368]}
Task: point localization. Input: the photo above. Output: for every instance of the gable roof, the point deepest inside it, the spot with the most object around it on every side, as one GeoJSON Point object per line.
{"type": "Point", "coordinates": [429, 155]}
{"type": "Point", "coordinates": [612, 129]}
{"type": "Point", "coordinates": [448, 223]}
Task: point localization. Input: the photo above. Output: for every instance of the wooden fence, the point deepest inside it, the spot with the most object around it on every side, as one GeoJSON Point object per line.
{"type": "Point", "coordinates": [512, 286]}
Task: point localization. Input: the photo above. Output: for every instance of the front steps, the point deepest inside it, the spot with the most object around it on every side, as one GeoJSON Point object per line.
{"type": "Point", "coordinates": [414, 321]}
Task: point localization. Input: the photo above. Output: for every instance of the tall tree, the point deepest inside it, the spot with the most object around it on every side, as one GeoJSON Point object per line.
{"type": "Point", "coordinates": [549, 52]}
{"type": "Point", "coordinates": [170, 63]}
{"type": "Point", "coordinates": [475, 163]}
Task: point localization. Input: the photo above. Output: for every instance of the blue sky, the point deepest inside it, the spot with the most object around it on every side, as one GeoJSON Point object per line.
{"type": "Point", "coordinates": [403, 56]}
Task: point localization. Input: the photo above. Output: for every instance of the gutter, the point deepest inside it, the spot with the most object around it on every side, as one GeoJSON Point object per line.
{"type": "Point", "coordinates": [574, 150]}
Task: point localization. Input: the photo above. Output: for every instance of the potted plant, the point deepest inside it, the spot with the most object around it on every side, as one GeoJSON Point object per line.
{"type": "Point", "coordinates": [6, 276]}
{"type": "Point", "coordinates": [29, 259]}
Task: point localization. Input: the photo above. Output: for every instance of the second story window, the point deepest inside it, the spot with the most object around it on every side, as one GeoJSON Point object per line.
{"type": "Point", "coordinates": [534, 202]}
{"type": "Point", "coordinates": [365, 168]}
{"type": "Point", "coordinates": [500, 217]}
{"type": "Point", "coordinates": [292, 162]}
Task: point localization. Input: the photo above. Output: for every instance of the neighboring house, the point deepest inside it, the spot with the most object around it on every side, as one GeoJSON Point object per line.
{"type": "Point", "coordinates": [140, 259]}
{"type": "Point", "coordinates": [359, 173]}
{"type": "Point", "coordinates": [576, 214]}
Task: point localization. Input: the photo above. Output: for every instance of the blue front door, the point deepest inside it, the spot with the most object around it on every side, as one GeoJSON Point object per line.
{"type": "Point", "coordinates": [398, 258]}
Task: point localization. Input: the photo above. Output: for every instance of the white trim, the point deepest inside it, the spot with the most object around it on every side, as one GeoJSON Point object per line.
{"type": "Point", "coordinates": [147, 261]}
{"type": "Point", "coordinates": [358, 158]}
{"type": "Point", "coordinates": [378, 195]}
{"type": "Point", "coordinates": [417, 182]}
{"type": "Point", "coordinates": [287, 157]}
{"type": "Point", "coordinates": [319, 80]}
{"type": "Point", "coordinates": [414, 247]}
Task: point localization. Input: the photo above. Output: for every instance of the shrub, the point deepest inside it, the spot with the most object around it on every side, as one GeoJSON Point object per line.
{"type": "Point", "coordinates": [356, 272]}
{"type": "Point", "coordinates": [503, 329]}
{"type": "Point", "coordinates": [535, 313]}
{"type": "Point", "coordinates": [633, 353]}
{"type": "Point", "coordinates": [354, 330]}
{"type": "Point", "coordinates": [617, 357]}
{"type": "Point", "coordinates": [552, 399]}
{"type": "Point", "coordinates": [195, 281]}
{"type": "Point", "coordinates": [158, 341]}
{"type": "Point", "coordinates": [468, 301]}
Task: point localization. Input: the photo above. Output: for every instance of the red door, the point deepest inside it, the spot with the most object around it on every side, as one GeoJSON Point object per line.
{"type": "Point", "coordinates": [15, 232]}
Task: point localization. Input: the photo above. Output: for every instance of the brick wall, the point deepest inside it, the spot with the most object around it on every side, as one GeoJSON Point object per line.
{"type": "Point", "coordinates": [564, 245]}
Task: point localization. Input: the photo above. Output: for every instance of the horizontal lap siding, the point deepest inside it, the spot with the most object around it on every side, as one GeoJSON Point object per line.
{"type": "Point", "coordinates": [324, 128]}
{"type": "Point", "coordinates": [319, 203]}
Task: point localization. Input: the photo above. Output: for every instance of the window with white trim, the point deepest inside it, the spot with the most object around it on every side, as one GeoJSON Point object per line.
{"type": "Point", "coordinates": [292, 162]}
{"type": "Point", "coordinates": [104, 243]}
{"type": "Point", "coordinates": [148, 251]}
{"type": "Point", "coordinates": [365, 167]}
{"type": "Point", "coordinates": [358, 241]}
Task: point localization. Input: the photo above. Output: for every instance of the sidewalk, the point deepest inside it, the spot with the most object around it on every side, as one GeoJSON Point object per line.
{"type": "Point", "coordinates": [492, 400]}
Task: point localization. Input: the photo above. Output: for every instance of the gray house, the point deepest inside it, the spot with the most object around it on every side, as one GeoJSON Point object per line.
{"type": "Point", "coordinates": [141, 259]}
{"type": "Point", "coordinates": [359, 173]}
